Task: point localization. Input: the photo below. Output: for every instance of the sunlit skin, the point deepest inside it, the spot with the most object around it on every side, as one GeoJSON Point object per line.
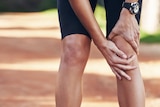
{"type": "Point", "coordinates": [106, 47]}
{"type": "Point", "coordinates": [130, 93]}
{"type": "Point", "coordinates": [122, 60]}
{"type": "Point", "coordinates": [69, 84]}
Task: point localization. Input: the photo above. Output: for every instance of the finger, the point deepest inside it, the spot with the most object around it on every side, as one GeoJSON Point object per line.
{"type": "Point", "coordinates": [117, 60]}
{"type": "Point", "coordinates": [131, 59]}
{"type": "Point", "coordinates": [123, 74]}
{"type": "Point", "coordinates": [137, 40]}
{"type": "Point", "coordinates": [125, 67]}
{"type": "Point", "coordinates": [117, 75]}
{"type": "Point", "coordinates": [137, 37]}
{"type": "Point", "coordinates": [134, 45]}
{"type": "Point", "coordinates": [137, 50]}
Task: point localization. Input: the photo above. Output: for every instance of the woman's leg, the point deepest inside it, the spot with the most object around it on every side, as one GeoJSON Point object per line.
{"type": "Point", "coordinates": [75, 54]}
{"type": "Point", "coordinates": [130, 93]}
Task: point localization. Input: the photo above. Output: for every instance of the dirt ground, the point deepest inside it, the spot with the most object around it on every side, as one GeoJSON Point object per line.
{"type": "Point", "coordinates": [30, 48]}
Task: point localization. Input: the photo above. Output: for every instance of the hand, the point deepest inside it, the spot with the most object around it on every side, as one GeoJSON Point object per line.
{"type": "Point", "coordinates": [121, 73]}
{"type": "Point", "coordinates": [128, 27]}
{"type": "Point", "coordinates": [117, 60]}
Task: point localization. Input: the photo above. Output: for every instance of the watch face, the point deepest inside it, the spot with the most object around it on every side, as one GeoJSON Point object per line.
{"type": "Point", "coordinates": [135, 8]}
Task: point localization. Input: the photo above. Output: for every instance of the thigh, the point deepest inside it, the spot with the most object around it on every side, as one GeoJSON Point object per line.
{"type": "Point", "coordinates": [69, 22]}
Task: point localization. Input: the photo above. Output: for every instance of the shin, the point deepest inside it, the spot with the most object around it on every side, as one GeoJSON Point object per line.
{"type": "Point", "coordinates": [130, 93]}
{"type": "Point", "coordinates": [74, 57]}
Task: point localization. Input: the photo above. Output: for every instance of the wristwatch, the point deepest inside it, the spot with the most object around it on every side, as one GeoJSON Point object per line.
{"type": "Point", "coordinates": [132, 7]}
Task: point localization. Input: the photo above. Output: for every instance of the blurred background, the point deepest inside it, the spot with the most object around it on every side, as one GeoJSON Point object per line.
{"type": "Point", "coordinates": [30, 48]}
{"type": "Point", "coordinates": [26, 5]}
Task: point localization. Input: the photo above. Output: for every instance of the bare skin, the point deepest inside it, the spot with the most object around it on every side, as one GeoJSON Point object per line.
{"type": "Point", "coordinates": [75, 54]}
{"type": "Point", "coordinates": [113, 56]}
{"type": "Point", "coordinates": [130, 93]}
{"type": "Point", "coordinates": [127, 26]}
{"type": "Point", "coordinates": [73, 60]}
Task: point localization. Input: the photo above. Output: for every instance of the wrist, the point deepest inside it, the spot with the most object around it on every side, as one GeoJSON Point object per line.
{"type": "Point", "coordinates": [101, 43]}
{"type": "Point", "coordinates": [132, 7]}
{"type": "Point", "coordinates": [126, 12]}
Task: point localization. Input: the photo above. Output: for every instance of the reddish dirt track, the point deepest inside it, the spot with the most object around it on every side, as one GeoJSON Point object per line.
{"type": "Point", "coordinates": [30, 48]}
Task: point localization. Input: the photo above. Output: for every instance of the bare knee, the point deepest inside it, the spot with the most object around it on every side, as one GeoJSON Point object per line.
{"type": "Point", "coordinates": [76, 50]}
{"type": "Point", "coordinates": [73, 55]}
{"type": "Point", "coordinates": [123, 45]}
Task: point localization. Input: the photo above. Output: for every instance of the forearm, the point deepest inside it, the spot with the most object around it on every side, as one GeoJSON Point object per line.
{"type": "Point", "coordinates": [83, 10]}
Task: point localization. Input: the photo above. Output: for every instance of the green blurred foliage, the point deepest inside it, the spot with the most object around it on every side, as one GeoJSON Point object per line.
{"type": "Point", "coordinates": [26, 5]}
{"type": "Point", "coordinates": [101, 17]}
{"type": "Point", "coordinates": [150, 38]}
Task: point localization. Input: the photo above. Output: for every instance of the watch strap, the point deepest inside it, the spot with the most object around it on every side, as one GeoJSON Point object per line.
{"type": "Point", "coordinates": [126, 5]}
{"type": "Point", "coordinates": [132, 7]}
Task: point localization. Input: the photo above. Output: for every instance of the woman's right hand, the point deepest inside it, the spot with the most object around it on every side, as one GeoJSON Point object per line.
{"type": "Point", "coordinates": [118, 61]}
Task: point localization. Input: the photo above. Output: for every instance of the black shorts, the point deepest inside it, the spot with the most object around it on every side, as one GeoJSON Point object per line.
{"type": "Point", "coordinates": [70, 24]}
